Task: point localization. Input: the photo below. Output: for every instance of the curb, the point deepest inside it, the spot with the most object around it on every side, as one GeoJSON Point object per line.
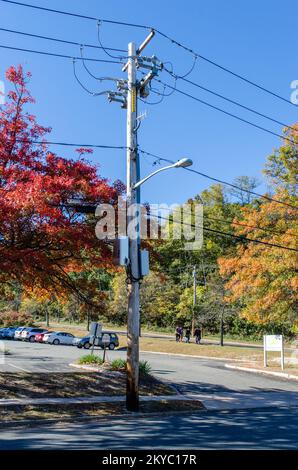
{"type": "Point", "coordinates": [111, 373]}
{"type": "Point", "coordinates": [88, 400]}
{"type": "Point", "coordinates": [107, 418]}
{"type": "Point", "coordinates": [194, 356]}
{"type": "Point", "coordinates": [282, 375]}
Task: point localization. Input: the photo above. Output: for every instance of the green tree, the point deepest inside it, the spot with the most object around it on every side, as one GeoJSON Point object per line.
{"type": "Point", "coordinates": [282, 165]}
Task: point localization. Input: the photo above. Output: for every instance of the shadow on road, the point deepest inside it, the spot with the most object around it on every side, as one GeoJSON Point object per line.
{"type": "Point", "coordinates": [265, 429]}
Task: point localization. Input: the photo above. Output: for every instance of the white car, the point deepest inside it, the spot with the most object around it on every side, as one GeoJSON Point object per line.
{"type": "Point", "coordinates": [58, 337]}
{"type": "Point", "coordinates": [18, 332]}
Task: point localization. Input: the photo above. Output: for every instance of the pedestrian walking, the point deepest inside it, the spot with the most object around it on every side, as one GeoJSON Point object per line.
{"type": "Point", "coordinates": [177, 334]}
{"type": "Point", "coordinates": [197, 335]}
{"type": "Point", "coordinates": [181, 334]}
{"type": "Point", "coordinates": [187, 335]}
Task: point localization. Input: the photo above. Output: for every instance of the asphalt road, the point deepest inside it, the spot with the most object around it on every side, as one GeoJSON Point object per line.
{"type": "Point", "coordinates": [263, 429]}
{"type": "Point", "coordinates": [243, 410]}
{"type": "Point", "coordinates": [188, 374]}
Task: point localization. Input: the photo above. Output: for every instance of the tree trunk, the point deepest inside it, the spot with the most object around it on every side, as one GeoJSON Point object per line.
{"type": "Point", "coordinates": [88, 319]}
{"type": "Point", "coordinates": [47, 318]}
{"type": "Point", "coordinates": [222, 328]}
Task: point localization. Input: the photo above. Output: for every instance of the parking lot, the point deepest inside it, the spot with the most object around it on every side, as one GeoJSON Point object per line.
{"type": "Point", "coordinates": [38, 357]}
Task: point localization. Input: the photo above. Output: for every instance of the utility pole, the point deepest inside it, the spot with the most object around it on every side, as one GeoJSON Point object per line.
{"type": "Point", "coordinates": [127, 94]}
{"type": "Point", "coordinates": [133, 319]}
{"type": "Point", "coordinates": [194, 273]}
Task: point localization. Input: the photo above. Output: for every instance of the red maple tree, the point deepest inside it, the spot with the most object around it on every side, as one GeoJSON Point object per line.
{"type": "Point", "coordinates": [41, 239]}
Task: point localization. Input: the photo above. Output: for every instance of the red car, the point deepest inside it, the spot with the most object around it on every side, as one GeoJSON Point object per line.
{"type": "Point", "coordinates": [39, 336]}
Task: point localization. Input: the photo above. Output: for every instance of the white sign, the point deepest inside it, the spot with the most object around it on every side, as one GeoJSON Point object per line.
{"type": "Point", "coordinates": [105, 338]}
{"type": "Point", "coordinates": [273, 342]}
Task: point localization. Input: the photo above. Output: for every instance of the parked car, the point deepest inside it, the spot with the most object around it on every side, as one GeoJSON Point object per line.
{"type": "Point", "coordinates": [86, 342]}
{"type": "Point", "coordinates": [2, 331]}
{"type": "Point", "coordinates": [39, 336]}
{"type": "Point", "coordinates": [18, 332]}
{"type": "Point", "coordinates": [8, 333]}
{"type": "Point", "coordinates": [29, 334]}
{"type": "Point", "coordinates": [59, 337]}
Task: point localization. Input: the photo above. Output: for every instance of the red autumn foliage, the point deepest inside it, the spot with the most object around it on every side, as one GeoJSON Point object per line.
{"type": "Point", "coordinates": [40, 239]}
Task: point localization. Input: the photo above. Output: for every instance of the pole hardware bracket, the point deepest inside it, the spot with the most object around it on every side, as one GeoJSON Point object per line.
{"type": "Point", "coordinates": [118, 97]}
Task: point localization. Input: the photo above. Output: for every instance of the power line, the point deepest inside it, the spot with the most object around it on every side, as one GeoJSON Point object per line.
{"type": "Point", "coordinates": [123, 147]}
{"type": "Point", "coordinates": [225, 69]}
{"type": "Point", "coordinates": [175, 89]}
{"type": "Point", "coordinates": [264, 129]}
{"type": "Point", "coordinates": [70, 144]}
{"type": "Point", "coordinates": [76, 15]}
{"type": "Point", "coordinates": [217, 180]}
{"type": "Point", "coordinates": [229, 100]}
{"type": "Point", "coordinates": [273, 232]}
{"type": "Point", "coordinates": [64, 41]}
{"type": "Point", "coordinates": [239, 237]}
{"type": "Point", "coordinates": [232, 222]}
{"type": "Point", "coordinates": [169, 38]}
{"type": "Point", "coordinates": [92, 93]}
{"type": "Point", "coordinates": [59, 55]}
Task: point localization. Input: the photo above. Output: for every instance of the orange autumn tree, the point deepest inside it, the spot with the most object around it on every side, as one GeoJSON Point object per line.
{"type": "Point", "coordinates": [262, 279]}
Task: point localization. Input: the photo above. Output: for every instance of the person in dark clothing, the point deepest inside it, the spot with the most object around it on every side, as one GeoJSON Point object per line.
{"type": "Point", "coordinates": [180, 333]}
{"type": "Point", "coordinates": [198, 335]}
{"type": "Point", "coordinates": [177, 334]}
{"type": "Point", "coordinates": [187, 335]}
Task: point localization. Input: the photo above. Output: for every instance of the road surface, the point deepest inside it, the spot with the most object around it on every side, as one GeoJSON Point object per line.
{"type": "Point", "coordinates": [243, 410]}
{"type": "Point", "coordinates": [263, 429]}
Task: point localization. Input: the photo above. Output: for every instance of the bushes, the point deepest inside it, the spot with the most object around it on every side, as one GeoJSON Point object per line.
{"type": "Point", "coordinates": [244, 329]}
{"type": "Point", "coordinates": [12, 318]}
{"type": "Point", "coordinates": [91, 359]}
{"type": "Point", "coordinates": [118, 364]}
{"type": "Point", "coordinates": [144, 368]}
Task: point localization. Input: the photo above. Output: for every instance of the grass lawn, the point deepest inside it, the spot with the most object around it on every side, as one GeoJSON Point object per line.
{"type": "Point", "coordinates": [168, 345]}
{"type": "Point", "coordinates": [272, 367]}
{"type": "Point", "coordinates": [81, 330]}
{"type": "Point", "coordinates": [208, 350]}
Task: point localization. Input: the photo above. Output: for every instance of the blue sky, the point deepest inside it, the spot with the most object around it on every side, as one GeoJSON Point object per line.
{"type": "Point", "coordinates": [257, 39]}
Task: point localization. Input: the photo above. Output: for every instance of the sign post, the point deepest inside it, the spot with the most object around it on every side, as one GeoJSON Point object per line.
{"type": "Point", "coordinates": [274, 343]}
{"type": "Point", "coordinates": [105, 340]}
{"type": "Point", "coordinates": [95, 331]}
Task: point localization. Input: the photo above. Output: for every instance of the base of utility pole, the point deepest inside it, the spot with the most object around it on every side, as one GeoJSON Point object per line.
{"type": "Point", "coordinates": [194, 273]}
{"type": "Point", "coordinates": [133, 327]}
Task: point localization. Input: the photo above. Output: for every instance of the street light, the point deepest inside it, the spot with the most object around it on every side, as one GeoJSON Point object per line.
{"type": "Point", "coordinates": [135, 268]}
{"type": "Point", "coordinates": [183, 163]}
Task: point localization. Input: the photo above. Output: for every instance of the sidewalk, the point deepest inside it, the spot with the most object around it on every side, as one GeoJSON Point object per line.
{"type": "Point", "coordinates": [80, 400]}
{"type": "Point", "coordinates": [212, 401]}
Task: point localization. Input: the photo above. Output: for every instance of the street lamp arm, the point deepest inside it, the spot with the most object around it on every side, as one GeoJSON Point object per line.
{"type": "Point", "coordinates": [139, 183]}
{"type": "Point", "coordinates": [183, 163]}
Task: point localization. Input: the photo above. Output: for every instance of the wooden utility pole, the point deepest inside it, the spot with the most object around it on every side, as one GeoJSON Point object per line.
{"type": "Point", "coordinates": [133, 319]}
{"type": "Point", "coordinates": [194, 273]}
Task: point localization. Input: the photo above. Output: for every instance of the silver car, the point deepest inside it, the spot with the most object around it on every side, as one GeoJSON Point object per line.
{"type": "Point", "coordinates": [59, 337]}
